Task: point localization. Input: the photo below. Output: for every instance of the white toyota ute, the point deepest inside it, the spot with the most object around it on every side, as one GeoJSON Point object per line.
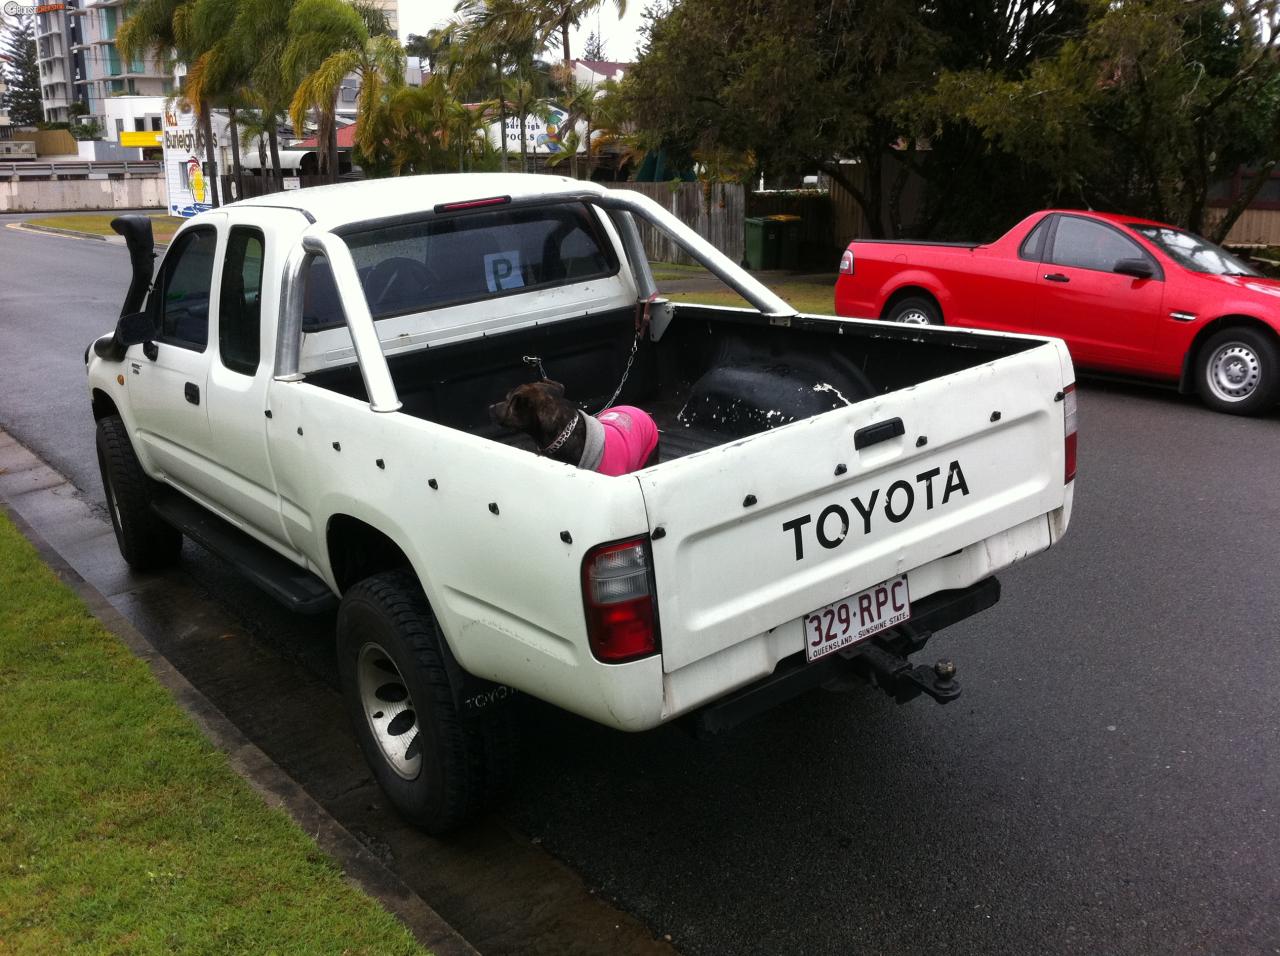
{"type": "Point", "coordinates": [302, 388]}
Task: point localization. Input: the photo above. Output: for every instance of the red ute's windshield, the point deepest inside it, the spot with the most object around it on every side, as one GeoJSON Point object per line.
{"type": "Point", "coordinates": [1194, 253]}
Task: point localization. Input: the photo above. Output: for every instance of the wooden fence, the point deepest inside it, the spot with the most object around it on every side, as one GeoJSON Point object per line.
{"type": "Point", "coordinates": [255, 186]}
{"type": "Point", "coordinates": [715, 212]}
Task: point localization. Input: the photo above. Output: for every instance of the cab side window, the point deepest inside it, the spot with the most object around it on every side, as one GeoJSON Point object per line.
{"type": "Point", "coordinates": [1091, 245]}
{"type": "Point", "coordinates": [1033, 245]}
{"type": "Point", "coordinates": [240, 301]}
{"type": "Point", "coordinates": [182, 294]}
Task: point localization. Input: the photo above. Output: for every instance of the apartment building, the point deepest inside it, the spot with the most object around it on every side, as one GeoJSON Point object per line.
{"type": "Point", "coordinates": [79, 62]}
{"type": "Point", "coordinates": [54, 38]}
{"type": "Point", "coordinates": [6, 129]}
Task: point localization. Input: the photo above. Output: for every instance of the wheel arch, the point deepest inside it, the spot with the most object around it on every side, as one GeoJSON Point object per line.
{"type": "Point", "coordinates": [357, 549]}
{"type": "Point", "coordinates": [907, 292]}
{"type": "Point", "coordinates": [103, 405]}
{"type": "Point", "coordinates": [1187, 381]}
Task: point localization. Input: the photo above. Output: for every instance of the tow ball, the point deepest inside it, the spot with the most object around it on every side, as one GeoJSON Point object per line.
{"type": "Point", "coordinates": [902, 680]}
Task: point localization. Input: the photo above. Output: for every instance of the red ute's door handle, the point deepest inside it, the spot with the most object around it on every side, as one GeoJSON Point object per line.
{"type": "Point", "coordinates": [1056, 277]}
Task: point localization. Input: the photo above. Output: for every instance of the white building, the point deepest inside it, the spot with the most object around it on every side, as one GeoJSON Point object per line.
{"type": "Point", "coordinates": [53, 57]}
{"type": "Point", "coordinates": [79, 63]}
{"type": "Point", "coordinates": [106, 72]}
{"type": "Point", "coordinates": [595, 72]}
{"type": "Point", "coordinates": [133, 114]}
{"type": "Point", "coordinates": [6, 129]}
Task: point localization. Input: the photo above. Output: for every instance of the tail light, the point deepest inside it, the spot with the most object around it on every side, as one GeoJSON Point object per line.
{"type": "Point", "coordinates": [846, 263]}
{"type": "Point", "coordinates": [1070, 421]}
{"type": "Point", "coordinates": [617, 594]}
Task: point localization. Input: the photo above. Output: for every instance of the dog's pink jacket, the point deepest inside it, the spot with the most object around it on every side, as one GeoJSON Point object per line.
{"type": "Point", "coordinates": [629, 439]}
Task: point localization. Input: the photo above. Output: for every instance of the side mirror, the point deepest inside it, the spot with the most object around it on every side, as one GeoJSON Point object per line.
{"type": "Point", "coordinates": [134, 329]}
{"type": "Point", "coordinates": [1138, 268]}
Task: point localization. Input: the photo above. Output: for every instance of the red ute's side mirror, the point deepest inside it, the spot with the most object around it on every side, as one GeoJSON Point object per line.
{"type": "Point", "coordinates": [1138, 268]}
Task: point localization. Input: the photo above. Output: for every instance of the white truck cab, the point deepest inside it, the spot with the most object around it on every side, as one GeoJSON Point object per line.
{"type": "Point", "coordinates": [303, 385]}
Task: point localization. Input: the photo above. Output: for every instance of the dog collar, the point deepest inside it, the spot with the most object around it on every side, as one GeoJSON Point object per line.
{"type": "Point", "coordinates": [563, 437]}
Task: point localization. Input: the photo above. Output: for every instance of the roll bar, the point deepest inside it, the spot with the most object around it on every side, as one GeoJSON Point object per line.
{"type": "Point", "coordinates": [620, 206]}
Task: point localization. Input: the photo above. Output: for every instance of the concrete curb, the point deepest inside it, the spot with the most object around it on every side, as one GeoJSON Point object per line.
{"type": "Point", "coordinates": [266, 777]}
{"type": "Point", "coordinates": [77, 234]}
{"type": "Point", "coordinates": [58, 231]}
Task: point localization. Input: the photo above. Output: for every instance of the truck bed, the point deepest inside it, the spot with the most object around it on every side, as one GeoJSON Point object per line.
{"type": "Point", "coordinates": [716, 375]}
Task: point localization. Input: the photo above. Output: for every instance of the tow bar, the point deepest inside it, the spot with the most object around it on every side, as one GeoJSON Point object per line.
{"type": "Point", "coordinates": [902, 680]}
{"type": "Point", "coordinates": [882, 662]}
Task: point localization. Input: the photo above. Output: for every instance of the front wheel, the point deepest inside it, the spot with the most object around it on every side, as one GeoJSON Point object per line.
{"type": "Point", "coordinates": [915, 310]}
{"type": "Point", "coordinates": [146, 542]}
{"type": "Point", "coordinates": [437, 768]}
{"type": "Point", "coordinates": [1238, 371]}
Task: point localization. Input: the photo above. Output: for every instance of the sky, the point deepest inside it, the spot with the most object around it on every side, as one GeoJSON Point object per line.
{"type": "Point", "coordinates": [620, 36]}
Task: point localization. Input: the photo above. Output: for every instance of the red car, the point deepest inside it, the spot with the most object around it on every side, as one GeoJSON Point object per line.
{"type": "Point", "coordinates": [1128, 296]}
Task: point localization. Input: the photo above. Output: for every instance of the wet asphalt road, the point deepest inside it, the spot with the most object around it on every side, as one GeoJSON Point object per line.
{"type": "Point", "coordinates": [1109, 782]}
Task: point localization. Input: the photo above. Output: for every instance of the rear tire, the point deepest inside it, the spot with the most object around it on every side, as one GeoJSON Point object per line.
{"type": "Point", "coordinates": [146, 542]}
{"type": "Point", "coordinates": [915, 310]}
{"type": "Point", "coordinates": [1238, 371]}
{"type": "Point", "coordinates": [436, 768]}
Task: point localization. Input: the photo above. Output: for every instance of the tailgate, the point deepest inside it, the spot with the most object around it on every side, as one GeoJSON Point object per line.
{"type": "Point", "coordinates": [761, 531]}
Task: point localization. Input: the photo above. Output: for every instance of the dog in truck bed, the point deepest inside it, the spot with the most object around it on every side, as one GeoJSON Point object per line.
{"type": "Point", "coordinates": [619, 440]}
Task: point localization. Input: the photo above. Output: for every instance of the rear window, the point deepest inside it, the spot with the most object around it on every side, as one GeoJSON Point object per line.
{"type": "Point", "coordinates": [431, 263]}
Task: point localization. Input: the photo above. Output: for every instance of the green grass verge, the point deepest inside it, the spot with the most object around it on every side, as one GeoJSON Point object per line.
{"type": "Point", "coordinates": [668, 271]}
{"type": "Point", "coordinates": [122, 830]}
{"type": "Point", "coordinates": [100, 224]}
{"type": "Point", "coordinates": [805, 296]}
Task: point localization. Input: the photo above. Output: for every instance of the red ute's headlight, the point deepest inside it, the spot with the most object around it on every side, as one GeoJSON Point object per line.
{"type": "Point", "coordinates": [846, 263]}
{"type": "Point", "coordinates": [617, 595]}
{"type": "Point", "coordinates": [1070, 421]}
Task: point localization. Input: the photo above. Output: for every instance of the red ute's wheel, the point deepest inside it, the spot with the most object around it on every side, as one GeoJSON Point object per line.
{"type": "Point", "coordinates": [1238, 371]}
{"type": "Point", "coordinates": [915, 310]}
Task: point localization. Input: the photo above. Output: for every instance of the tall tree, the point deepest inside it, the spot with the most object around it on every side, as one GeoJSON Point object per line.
{"type": "Point", "coordinates": [508, 34]}
{"type": "Point", "coordinates": [433, 46]}
{"type": "Point", "coordinates": [593, 48]}
{"type": "Point", "coordinates": [799, 84]}
{"type": "Point", "coordinates": [558, 17]}
{"type": "Point", "coordinates": [329, 41]}
{"type": "Point", "coordinates": [222, 74]}
{"type": "Point", "coordinates": [22, 72]}
{"type": "Point", "coordinates": [164, 28]}
{"type": "Point", "coordinates": [1143, 109]}
{"type": "Point", "coordinates": [261, 31]}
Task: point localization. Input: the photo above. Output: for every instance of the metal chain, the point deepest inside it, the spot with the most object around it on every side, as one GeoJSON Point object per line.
{"type": "Point", "coordinates": [642, 326]}
{"type": "Point", "coordinates": [635, 347]}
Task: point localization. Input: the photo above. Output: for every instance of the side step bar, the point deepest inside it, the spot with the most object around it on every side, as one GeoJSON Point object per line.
{"type": "Point", "coordinates": [296, 589]}
{"type": "Point", "coordinates": [881, 661]}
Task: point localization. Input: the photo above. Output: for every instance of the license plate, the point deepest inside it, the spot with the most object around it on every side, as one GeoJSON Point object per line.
{"type": "Point", "coordinates": [855, 618]}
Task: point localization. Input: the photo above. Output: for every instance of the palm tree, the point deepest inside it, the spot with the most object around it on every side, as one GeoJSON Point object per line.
{"type": "Point", "coordinates": [583, 106]}
{"type": "Point", "coordinates": [261, 32]}
{"type": "Point", "coordinates": [557, 16]}
{"type": "Point", "coordinates": [328, 41]}
{"type": "Point", "coordinates": [507, 32]}
{"type": "Point", "coordinates": [255, 130]}
{"type": "Point", "coordinates": [614, 126]}
{"type": "Point", "coordinates": [222, 72]}
{"type": "Point", "coordinates": [429, 130]}
{"type": "Point", "coordinates": [166, 27]}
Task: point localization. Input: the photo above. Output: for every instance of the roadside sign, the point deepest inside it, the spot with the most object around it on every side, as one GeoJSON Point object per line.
{"type": "Point", "coordinates": [184, 175]}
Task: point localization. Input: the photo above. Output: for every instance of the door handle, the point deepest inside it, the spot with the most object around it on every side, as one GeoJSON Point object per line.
{"type": "Point", "coordinates": [192, 391]}
{"type": "Point", "coordinates": [1056, 277]}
